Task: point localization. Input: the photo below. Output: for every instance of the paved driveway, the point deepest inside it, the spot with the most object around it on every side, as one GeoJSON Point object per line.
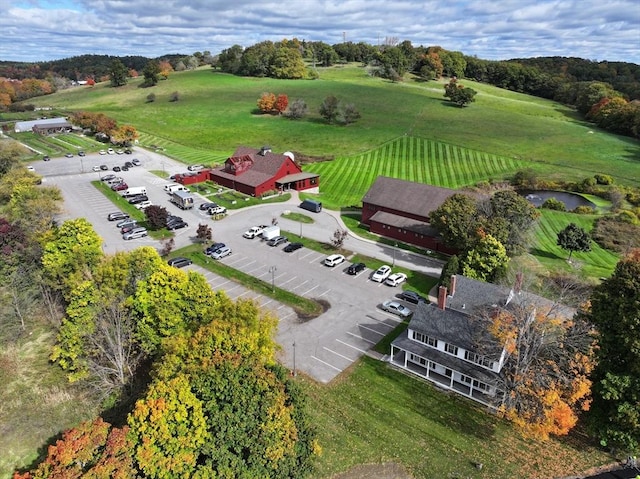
{"type": "Point", "coordinates": [322, 347]}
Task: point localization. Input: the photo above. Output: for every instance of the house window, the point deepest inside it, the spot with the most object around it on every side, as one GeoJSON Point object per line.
{"type": "Point", "coordinates": [424, 339]}
{"type": "Point", "coordinates": [465, 379]}
{"type": "Point", "coordinates": [481, 386]}
{"type": "Point", "coordinates": [451, 349]}
{"type": "Point", "coordinates": [477, 359]}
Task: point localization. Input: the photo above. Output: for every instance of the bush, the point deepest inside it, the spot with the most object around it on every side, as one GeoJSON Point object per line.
{"type": "Point", "coordinates": [297, 109]}
{"type": "Point", "coordinates": [584, 210]}
{"type": "Point", "coordinates": [633, 198]}
{"type": "Point", "coordinates": [554, 204]}
{"type": "Point", "coordinates": [603, 179]}
{"type": "Point", "coordinates": [525, 179]}
{"type": "Point", "coordinates": [175, 96]}
{"type": "Point", "coordinates": [151, 97]}
{"type": "Point", "coordinates": [615, 235]}
{"type": "Point", "coordinates": [627, 216]}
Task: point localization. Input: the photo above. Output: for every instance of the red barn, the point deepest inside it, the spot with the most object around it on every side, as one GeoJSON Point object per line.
{"type": "Point", "coordinates": [254, 172]}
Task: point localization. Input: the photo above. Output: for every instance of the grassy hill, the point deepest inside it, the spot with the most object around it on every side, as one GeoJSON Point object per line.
{"type": "Point", "coordinates": [216, 113]}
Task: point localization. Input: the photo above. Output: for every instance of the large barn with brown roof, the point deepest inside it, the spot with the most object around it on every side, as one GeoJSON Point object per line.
{"type": "Point", "coordinates": [254, 172]}
{"type": "Point", "coordinates": [400, 209]}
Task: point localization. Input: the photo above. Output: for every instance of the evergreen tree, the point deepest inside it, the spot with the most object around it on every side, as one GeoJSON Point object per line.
{"type": "Point", "coordinates": [573, 238]}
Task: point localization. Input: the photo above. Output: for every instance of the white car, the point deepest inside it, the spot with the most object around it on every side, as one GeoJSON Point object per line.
{"type": "Point", "coordinates": [31, 169]}
{"type": "Point", "coordinates": [195, 167]}
{"type": "Point", "coordinates": [143, 205]}
{"type": "Point", "coordinates": [381, 274]}
{"type": "Point", "coordinates": [103, 152]}
{"type": "Point", "coordinates": [110, 151]}
{"type": "Point", "coordinates": [253, 232]}
{"type": "Point", "coordinates": [217, 210]}
{"type": "Point", "coordinates": [333, 260]}
{"type": "Point", "coordinates": [96, 168]}
{"type": "Point", "coordinates": [395, 279]}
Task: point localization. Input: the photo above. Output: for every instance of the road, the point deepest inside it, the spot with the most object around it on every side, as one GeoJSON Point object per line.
{"type": "Point", "coordinates": [321, 348]}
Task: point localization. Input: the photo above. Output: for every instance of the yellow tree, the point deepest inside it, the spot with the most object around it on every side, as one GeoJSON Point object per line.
{"type": "Point", "coordinates": [545, 377]}
{"type": "Point", "coordinates": [267, 102]}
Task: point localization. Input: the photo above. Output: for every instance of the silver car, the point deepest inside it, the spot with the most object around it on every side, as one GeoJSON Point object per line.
{"type": "Point", "coordinates": [394, 307]}
{"type": "Point", "coordinates": [221, 253]}
{"type": "Point", "coordinates": [135, 233]}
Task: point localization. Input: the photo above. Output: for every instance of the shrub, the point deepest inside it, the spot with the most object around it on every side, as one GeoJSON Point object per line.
{"type": "Point", "coordinates": [615, 235]}
{"type": "Point", "coordinates": [584, 210]}
{"type": "Point", "coordinates": [633, 197]}
{"type": "Point", "coordinates": [151, 97]}
{"type": "Point", "coordinates": [175, 96]}
{"type": "Point", "coordinates": [627, 216]}
{"type": "Point", "coordinates": [526, 178]}
{"type": "Point", "coordinates": [554, 204]}
{"type": "Point", "coordinates": [603, 179]}
{"type": "Point", "coordinates": [297, 109]}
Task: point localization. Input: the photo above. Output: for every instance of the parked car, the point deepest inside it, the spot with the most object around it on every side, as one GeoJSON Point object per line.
{"type": "Point", "coordinates": [110, 151]}
{"type": "Point", "coordinates": [136, 162]}
{"type": "Point", "coordinates": [116, 180]}
{"type": "Point", "coordinates": [381, 274]}
{"type": "Point", "coordinates": [356, 268]}
{"type": "Point", "coordinates": [195, 167]}
{"type": "Point", "coordinates": [104, 167]}
{"type": "Point", "coordinates": [108, 177]}
{"type": "Point", "coordinates": [119, 152]}
{"type": "Point", "coordinates": [135, 233]}
{"type": "Point", "coordinates": [412, 297]}
{"type": "Point", "coordinates": [128, 228]}
{"type": "Point", "coordinates": [117, 168]}
{"type": "Point", "coordinates": [46, 158]}
{"type": "Point", "coordinates": [144, 204]}
{"type": "Point", "coordinates": [128, 151]}
{"type": "Point", "coordinates": [395, 279]}
{"type": "Point", "coordinates": [137, 199]}
{"type": "Point", "coordinates": [253, 232]}
{"type": "Point", "coordinates": [117, 215]}
{"type": "Point", "coordinates": [176, 225]}
{"type": "Point", "coordinates": [333, 260]}
{"type": "Point", "coordinates": [217, 210]}
{"type": "Point", "coordinates": [69, 155]}
{"type": "Point", "coordinates": [207, 205]}
{"type": "Point", "coordinates": [120, 187]}
{"type": "Point", "coordinates": [172, 219]}
{"type": "Point", "coordinates": [128, 164]}
{"type": "Point", "coordinates": [103, 152]}
{"type": "Point", "coordinates": [82, 153]}
{"type": "Point", "coordinates": [396, 308]}
{"type": "Point", "coordinates": [31, 169]}
{"type": "Point", "coordinates": [126, 222]}
{"type": "Point", "coordinates": [291, 247]}
{"type": "Point", "coordinates": [96, 168]}
{"type": "Point", "coordinates": [213, 248]}
{"type": "Point", "coordinates": [179, 262]}
{"type": "Point", "coordinates": [221, 253]}
{"type": "Point", "coordinates": [278, 240]}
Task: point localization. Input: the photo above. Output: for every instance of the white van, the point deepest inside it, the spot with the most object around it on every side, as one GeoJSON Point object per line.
{"type": "Point", "coordinates": [134, 190]}
{"type": "Point", "coordinates": [173, 187]}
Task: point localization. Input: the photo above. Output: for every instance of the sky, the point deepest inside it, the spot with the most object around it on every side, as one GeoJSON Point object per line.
{"type": "Point", "coordinates": [42, 30]}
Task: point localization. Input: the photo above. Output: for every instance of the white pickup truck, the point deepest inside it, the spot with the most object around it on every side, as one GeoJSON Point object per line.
{"type": "Point", "coordinates": [254, 231]}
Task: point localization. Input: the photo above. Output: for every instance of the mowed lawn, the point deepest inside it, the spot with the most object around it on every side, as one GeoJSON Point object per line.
{"type": "Point", "coordinates": [375, 414]}
{"type": "Point", "coordinates": [216, 113]}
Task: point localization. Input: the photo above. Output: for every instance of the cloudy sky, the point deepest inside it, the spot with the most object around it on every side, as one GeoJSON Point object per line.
{"type": "Point", "coordinates": [39, 30]}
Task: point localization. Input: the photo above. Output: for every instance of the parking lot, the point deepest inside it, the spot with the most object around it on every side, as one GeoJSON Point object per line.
{"type": "Point", "coordinates": [322, 347]}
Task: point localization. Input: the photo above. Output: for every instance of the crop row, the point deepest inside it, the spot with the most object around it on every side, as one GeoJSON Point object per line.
{"type": "Point", "coordinates": [180, 152]}
{"type": "Point", "coordinates": [344, 181]}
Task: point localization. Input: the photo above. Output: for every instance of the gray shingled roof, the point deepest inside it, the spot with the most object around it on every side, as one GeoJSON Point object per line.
{"type": "Point", "coordinates": [414, 198]}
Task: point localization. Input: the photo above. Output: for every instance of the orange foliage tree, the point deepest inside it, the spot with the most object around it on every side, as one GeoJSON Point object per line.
{"type": "Point", "coordinates": [282, 102]}
{"type": "Point", "coordinates": [165, 69]}
{"type": "Point", "coordinates": [267, 102]}
{"type": "Point", "coordinates": [545, 376]}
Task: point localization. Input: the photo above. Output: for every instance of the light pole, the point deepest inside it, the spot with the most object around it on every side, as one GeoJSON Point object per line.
{"type": "Point", "coordinates": [294, 360]}
{"type": "Point", "coordinates": [273, 270]}
{"type": "Point", "coordinates": [394, 254]}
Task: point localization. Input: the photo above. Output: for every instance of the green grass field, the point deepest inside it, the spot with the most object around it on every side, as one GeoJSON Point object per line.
{"type": "Point", "coordinates": [216, 113]}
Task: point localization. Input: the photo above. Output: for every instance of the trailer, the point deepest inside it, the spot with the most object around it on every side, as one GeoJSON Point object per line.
{"type": "Point", "coordinates": [182, 200]}
{"type": "Point", "coordinates": [270, 232]}
{"type": "Point", "coordinates": [133, 191]}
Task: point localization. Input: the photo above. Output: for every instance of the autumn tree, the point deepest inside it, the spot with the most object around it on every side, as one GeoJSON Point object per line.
{"type": "Point", "coordinates": [266, 102]}
{"type": "Point", "coordinates": [573, 238]}
{"type": "Point", "coordinates": [204, 233]}
{"type": "Point", "coordinates": [486, 260]}
{"type": "Point", "coordinates": [165, 69]}
{"type": "Point", "coordinates": [125, 135]}
{"type": "Point", "coordinates": [281, 104]}
{"type": "Point", "coordinates": [156, 216]}
{"type": "Point", "coordinates": [338, 238]}
{"type": "Point", "coordinates": [614, 309]}
{"type": "Point", "coordinates": [545, 376]}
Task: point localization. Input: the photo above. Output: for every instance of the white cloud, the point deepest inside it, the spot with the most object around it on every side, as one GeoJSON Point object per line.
{"type": "Point", "coordinates": [35, 30]}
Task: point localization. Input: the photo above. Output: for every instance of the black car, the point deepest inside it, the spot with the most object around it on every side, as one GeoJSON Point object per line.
{"type": "Point", "coordinates": [134, 200]}
{"type": "Point", "coordinates": [176, 225]}
{"type": "Point", "coordinates": [206, 206]}
{"type": "Point", "coordinates": [117, 168]}
{"type": "Point", "coordinates": [179, 262]}
{"type": "Point", "coordinates": [125, 168]}
{"type": "Point", "coordinates": [128, 151]}
{"type": "Point", "coordinates": [104, 167]}
{"type": "Point", "coordinates": [292, 247]}
{"type": "Point", "coordinates": [128, 164]}
{"type": "Point", "coordinates": [213, 248]}
{"type": "Point", "coordinates": [356, 268]}
{"type": "Point", "coordinates": [412, 297]}
{"type": "Point", "coordinates": [81, 153]}
{"type": "Point", "coordinates": [172, 219]}
{"type": "Point", "coordinates": [46, 158]}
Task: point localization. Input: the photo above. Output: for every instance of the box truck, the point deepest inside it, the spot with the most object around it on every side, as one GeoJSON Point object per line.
{"type": "Point", "coordinates": [182, 200]}
{"type": "Point", "coordinates": [134, 190]}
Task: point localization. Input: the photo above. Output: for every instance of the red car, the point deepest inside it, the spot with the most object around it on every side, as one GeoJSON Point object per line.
{"type": "Point", "coordinates": [120, 187]}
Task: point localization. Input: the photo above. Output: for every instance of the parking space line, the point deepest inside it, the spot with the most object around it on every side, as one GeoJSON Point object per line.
{"type": "Point", "coordinates": [394, 319]}
{"type": "Point", "coordinates": [309, 290]}
{"type": "Point", "coordinates": [305, 255]}
{"type": "Point", "coordinates": [372, 330]}
{"type": "Point", "coordinates": [327, 364]}
{"type": "Point", "coordinates": [326, 292]}
{"type": "Point", "coordinates": [360, 337]}
{"type": "Point", "coordinates": [338, 354]}
{"type": "Point", "coordinates": [288, 281]}
{"type": "Point", "coordinates": [351, 346]}
{"type": "Point", "coordinates": [301, 284]}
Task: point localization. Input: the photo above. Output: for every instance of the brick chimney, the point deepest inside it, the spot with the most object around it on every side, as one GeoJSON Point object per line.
{"type": "Point", "coordinates": [452, 284]}
{"type": "Point", "coordinates": [442, 297]}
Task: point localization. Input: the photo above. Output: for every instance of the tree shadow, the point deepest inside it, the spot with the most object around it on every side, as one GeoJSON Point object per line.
{"type": "Point", "coordinates": [544, 253]}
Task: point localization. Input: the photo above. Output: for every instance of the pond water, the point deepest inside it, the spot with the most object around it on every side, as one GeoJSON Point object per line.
{"type": "Point", "coordinates": [571, 200]}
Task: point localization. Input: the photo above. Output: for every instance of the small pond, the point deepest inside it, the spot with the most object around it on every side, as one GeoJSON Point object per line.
{"type": "Point", "coordinates": [571, 200]}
